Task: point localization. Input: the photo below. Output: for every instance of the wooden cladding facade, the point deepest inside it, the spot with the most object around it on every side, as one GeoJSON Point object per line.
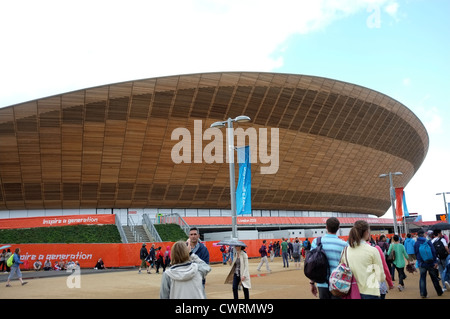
{"type": "Point", "coordinates": [110, 146]}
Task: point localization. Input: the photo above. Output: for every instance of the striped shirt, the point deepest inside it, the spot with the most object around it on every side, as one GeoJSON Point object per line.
{"type": "Point", "coordinates": [332, 246]}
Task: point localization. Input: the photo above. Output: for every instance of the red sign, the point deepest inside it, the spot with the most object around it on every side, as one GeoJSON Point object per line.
{"type": "Point", "coordinates": [52, 221]}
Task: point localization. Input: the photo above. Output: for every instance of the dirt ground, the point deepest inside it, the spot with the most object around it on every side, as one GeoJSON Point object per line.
{"type": "Point", "coordinates": [281, 283]}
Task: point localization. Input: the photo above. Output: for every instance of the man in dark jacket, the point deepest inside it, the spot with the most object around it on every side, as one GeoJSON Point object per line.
{"type": "Point", "coordinates": [425, 266]}
{"type": "Point", "coordinates": [197, 247]}
{"type": "Point", "coordinates": [143, 255]}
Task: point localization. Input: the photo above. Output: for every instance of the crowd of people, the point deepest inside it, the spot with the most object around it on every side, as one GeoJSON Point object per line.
{"type": "Point", "coordinates": [374, 262]}
{"type": "Point", "coordinates": [57, 265]}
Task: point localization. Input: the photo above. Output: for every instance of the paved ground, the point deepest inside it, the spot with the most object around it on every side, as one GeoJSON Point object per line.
{"type": "Point", "coordinates": [281, 283]}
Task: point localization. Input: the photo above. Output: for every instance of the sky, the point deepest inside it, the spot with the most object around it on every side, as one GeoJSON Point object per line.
{"type": "Point", "coordinates": [398, 47]}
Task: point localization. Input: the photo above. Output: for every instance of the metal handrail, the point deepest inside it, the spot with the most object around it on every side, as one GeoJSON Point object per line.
{"type": "Point", "coordinates": [123, 237]}
{"type": "Point", "coordinates": [175, 218]}
{"type": "Point", "coordinates": [151, 228]}
{"type": "Point", "coordinates": [137, 236]}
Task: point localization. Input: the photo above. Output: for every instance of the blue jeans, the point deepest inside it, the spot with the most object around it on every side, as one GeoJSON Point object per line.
{"type": "Point", "coordinates": [441, 267]}
{"type": "Point", "coordinates": [363, 296]}
{"type": "Point", "coordinates": [285, 259]}
{"type": "Point", "coordinates": [434, 274]}
{"type": "Point", "coordinates": [446, 272]}
{"type": "Point", "coordinates": [236, 282]}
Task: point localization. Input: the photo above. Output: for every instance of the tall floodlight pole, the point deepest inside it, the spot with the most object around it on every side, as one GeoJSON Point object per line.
{"type": "Point", "coordinates": [392, 196]}
{"type": "Point", "coordinates": [445, 204]}
{"type": "Point", "coordinates": [230, 146]}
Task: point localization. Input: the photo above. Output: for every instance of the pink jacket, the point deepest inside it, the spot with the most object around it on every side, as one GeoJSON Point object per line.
{"type": "Point", "coordinates": [387, 273]}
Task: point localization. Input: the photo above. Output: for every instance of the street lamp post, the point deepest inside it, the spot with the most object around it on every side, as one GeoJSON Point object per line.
{"type": "Point", "coordinates": [445, 204]}
{"type": "Point", "coordinates": [230, 145]}
{"type": "Point", "coordinates": [392, 196]}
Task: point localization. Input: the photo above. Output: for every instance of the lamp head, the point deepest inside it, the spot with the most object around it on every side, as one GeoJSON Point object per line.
{"type": "Point", "coordinates": [242, 119]}
{"type": "Point", "coordinates": [218, 124]}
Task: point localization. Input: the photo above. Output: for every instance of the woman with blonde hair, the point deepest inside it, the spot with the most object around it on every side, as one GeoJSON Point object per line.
{"type": "Point", "coordinates": [183, 280]}
{"type": "Point", "coordinates": [365, 261]}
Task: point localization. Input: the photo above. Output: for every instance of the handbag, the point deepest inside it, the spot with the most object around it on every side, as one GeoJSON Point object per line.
{"type": "Point", "coordinates": [391, 256]}
{"type": "Point", "coordinates": [341, 278]}
{"type": "Point", "coordinates": [354, 291]}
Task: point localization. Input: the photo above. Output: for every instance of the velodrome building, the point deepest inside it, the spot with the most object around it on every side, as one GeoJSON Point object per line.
{"type": "Point", "coordinates": [110, 149]}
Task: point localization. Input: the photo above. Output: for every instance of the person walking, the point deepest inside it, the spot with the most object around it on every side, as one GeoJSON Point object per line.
{"type": "Point", "coordinates": [440, 245]}
{"type": "Point", "coordinates": [409, 246]}
{"type": "Point", "coordinates": [284, 252]}
{"type": "Point", "coordinates": [2, 260]}
{"type": "Point", "coordinates": [159, 260]}
{"type": "Point", "coordinates": [15, 269]}
{"type": "Point", "coordinates": [239, 273]}
{"type": "Point", "coordinates": [263, 252]}
{"type": "Point", "coordinates": [223, 250]}
{"type": "Point", "coordinates": [426, 264]}
{"type": "Point", "coordinates": [385, 286]}
{"type": "Point", "coordinates": [364, 261]}
{"type": "Point", "coordinates": [306, 246]}
{"type": "Point", "coordinates": [296, 252]}
{"type": "Point", "coordinates": [151, 258]}
{"type": "Point", "coordinates": [399, 261]}
{"type": "Point", "coordinates": [183, 279]}
{"type": "Point", "coordinates": [271, 251]}
{"type": "Point", "coordinates": [7, 255]}
{"type": "Point", "coordinates": [143, 253]}
{"type": "Point", "coordinates": [333, 246]}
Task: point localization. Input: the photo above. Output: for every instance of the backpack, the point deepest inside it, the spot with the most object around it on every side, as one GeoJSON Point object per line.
{"type": "Point", "coordinates": [441, 252]}
{"type": "Point", "coordinates": [316, 264]}
{"type": "Point", "coordinates": [261, 249]}
{"type": "Point", "coordinates": [10, 261]}
{"type": "Point", "coordinates": [425, 252]}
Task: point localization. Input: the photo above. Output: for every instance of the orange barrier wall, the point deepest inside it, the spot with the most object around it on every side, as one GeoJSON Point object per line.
{"type": "Point", "coordinates": [52, 221]}
{"type": "Point", "coordinates": [114, 255]}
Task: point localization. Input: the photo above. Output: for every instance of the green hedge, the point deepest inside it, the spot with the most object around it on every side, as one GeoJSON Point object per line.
{"type": "Point", "coordinates": [170, 232]}
{"type": "Point", "coordinates": [63, 234]}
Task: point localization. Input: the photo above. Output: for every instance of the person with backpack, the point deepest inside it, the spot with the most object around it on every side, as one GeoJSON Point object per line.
{"type": "Point", "coordinates": [15, 268]}
{"type": "Point", "coordinates": [427, 262]}
{"type": "Point", "coordinates": [332, 246]}
{"type": "Point", "coordinates": [440, 244]}
{"type": "Point", "coordinates": [7, 255]}
{"type": "Point", "coordinates": [263, 252]}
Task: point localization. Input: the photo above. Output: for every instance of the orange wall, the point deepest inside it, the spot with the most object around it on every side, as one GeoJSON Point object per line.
{"type": "Point", "coordinates": [53, 221]}
{"type": "Point", "coordinates": [117, 255]}
{"type": "Point", "coordinates": [113, 255]}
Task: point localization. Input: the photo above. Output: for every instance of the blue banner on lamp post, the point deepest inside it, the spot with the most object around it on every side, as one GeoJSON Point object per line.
{"type": "Point", "coordinates": [405, 208]}
{"type": "Point", "coordinates": [243, 191]}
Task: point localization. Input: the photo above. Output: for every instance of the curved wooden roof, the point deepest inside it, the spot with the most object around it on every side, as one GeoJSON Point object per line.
{"type": "Point", "coordinates": [110, 146]}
